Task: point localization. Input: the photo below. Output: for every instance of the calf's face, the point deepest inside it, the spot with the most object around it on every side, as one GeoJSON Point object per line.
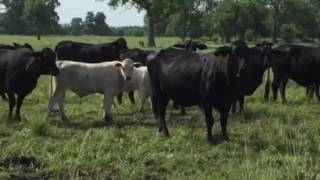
{"type": "Point", "coordinates": [126, 68]}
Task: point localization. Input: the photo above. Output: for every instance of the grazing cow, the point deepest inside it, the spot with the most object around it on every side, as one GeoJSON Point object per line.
{"type": "Point", "coordinates": [191, 46]}
{"type": "Point", "coordinates": [19, 73]}
{"type": "Point", "coordinates": [296, 62]}
{"type": "Point", "coordinates": [140, 81]}
{"type": "Point", "coordinates": [90, 53]}
{"type": "Point", "coordinates": [208, 81]}
{"type": "Point", "coordinates": [107, 78]}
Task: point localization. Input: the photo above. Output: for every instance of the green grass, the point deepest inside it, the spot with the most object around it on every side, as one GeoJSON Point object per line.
{"type": "Point", "coordinates": [278, 141]}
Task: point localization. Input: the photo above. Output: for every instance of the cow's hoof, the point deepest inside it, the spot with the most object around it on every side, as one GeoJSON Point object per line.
{"type": "Point", "coordinates": [225, 138]}
{"type": "Point", "coordinates": [108, 120]}
{"type": "Point", "coordinates": [17, 118]}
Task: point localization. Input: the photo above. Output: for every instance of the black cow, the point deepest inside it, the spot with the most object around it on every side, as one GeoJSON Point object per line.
{"type": "Point", "coordinates": [136, 54]}
{"type": "Point", "coordinates": [258, 58]}
{"type": "Point", "coordinates": [15, 46]}
{"type": "Point", "coordinates": [208, 81]}
{"type": "Point", "coordinates": [19, 73]}
{"type": "Point", "coordinates": [296, 62]}
{"type": "Point", "coordinates": [191, 46]}
{"type": "Point", "coordinates": [90, 53]}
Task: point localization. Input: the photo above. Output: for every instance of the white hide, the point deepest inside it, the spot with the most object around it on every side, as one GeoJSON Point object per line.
{"type": "Point", "coordinates": [106, 78]}
{"type": "Point", "coordinates": [140, 81]}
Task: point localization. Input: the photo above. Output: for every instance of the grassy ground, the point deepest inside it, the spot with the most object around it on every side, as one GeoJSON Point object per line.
{"type": "Point", "coordinates": [278, 141]}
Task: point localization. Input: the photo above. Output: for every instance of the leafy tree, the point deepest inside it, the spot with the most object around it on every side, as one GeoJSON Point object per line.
{"type": "Point", "coordinates": [76, 27]}
{"type": "Point", "coordinates": [89, 23]}
{"type": "Point", "coordinates": [156, 11]}
{"type": "Point", "coordinates": [13, 21]}
{"type": "Point", "coordinates": [101, 27]}
{"type": "Point", "coordinates": [96, 24]}
{"type": "Point", "coordinates": [41, 15]}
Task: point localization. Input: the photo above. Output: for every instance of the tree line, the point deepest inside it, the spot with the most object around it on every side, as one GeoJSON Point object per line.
{"type": "Point", "coordinates": [219, 20]}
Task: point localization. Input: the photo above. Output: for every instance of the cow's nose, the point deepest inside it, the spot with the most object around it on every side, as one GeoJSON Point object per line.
{"type": "Point", "coordinates": [128, 78]}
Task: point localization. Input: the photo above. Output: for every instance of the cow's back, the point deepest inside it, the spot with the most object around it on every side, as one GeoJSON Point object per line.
{"type": "Point", "coordinates": [177, 74]}
{"type": "Point", "coordinates": [89, 78]}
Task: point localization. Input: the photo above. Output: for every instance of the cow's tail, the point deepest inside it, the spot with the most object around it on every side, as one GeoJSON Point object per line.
{"type": "Point", "coordinates": [267, 86]}
{"type": "Point", "coordinates": [52, 85]}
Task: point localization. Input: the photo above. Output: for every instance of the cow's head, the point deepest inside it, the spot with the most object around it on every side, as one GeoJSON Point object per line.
{"type": "Point", "coordinates": [44, 63]}
{"type": "Point", "coordinates": [119, 45]}
{"type": "Point", "coordinates": [253, 75]}
{"type": "Point", "coordinates": [239, 50]}
{"type": "Point", "coordinates": [126, 68]}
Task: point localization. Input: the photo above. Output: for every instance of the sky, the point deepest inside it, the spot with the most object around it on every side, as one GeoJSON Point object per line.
{"type": "Point", "coordinates": [121, 16]}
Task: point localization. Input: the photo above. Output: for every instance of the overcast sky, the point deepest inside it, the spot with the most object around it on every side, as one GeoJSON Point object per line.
{"type": "Point", "coordinates": [115, 17]}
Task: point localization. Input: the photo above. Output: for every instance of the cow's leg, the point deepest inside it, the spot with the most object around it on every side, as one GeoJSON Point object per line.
{"type": "Point", "coordinates": [241, 104]}
{"type": "Point", "coordinates": [309, 91]}
{"type": "Point", "coordinates": [19, 104]}
{"type": "Point", "coordinates": [223, 121]}
{"type": "Point", "coordinates": [154, 104]}
{"type": "Point", "coordinates": [275, 86]}
{"type": "Point", "coordinates": [183, 110]}
{"type": "Point", "coordinates": [143, 100]}
{"type": "Point", "coordinates": [283, 90]}
{"type": "Point", "coordinates": [63, 116]}
{"type": "Point", "coordinates": [12, 103]}
{"type": "Point", "coordinates": [234, 106]}
{"type": "Point", "coordinates": [162, 114]}
{"type": "Point", "coordinates": [107, 104]}
{"type": "Point", "coordinates": [131, 97]}
{"type": "Point", "coordinates": [209, 121]}
{"type": "Point", "coordinates": [119, 98]}
{"type": "Point", "coordinates": [55, 96]}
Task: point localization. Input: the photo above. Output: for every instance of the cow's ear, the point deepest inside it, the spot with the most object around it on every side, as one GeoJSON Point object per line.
{"type": "Point", "coordinates": [27, 45]}
{"type": "Point", "coordinates": [119, 65]}
{"type": "Point", "coordinates": [137, 65]}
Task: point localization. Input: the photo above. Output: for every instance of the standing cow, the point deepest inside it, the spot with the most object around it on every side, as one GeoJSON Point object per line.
{"type": "Point", "coordinates": [90, 53]}
{"type": "Point", "coordinates": [19, 73]}
{"type": "Point", "coordinates": [140, 81]}
{"type": "Point", "coordinates": [107, 78]}
{"type": "Point", "coordinates": [296, 62]}
{"type": "Point", "coordinates": [207, 81]}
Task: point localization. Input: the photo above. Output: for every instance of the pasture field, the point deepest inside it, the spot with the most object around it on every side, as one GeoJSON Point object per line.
{"type": "Point", "coordinates": [277, 142]}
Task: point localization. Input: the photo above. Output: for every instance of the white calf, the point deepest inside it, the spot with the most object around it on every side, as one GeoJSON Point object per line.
{"type": "Point", "coordinates": [107, 78]}
{"type": "Point", "coordinates": [140, 81]}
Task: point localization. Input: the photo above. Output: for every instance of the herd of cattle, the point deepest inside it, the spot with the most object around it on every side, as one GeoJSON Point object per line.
{"type": "Point", "coordinates": [216, 79]}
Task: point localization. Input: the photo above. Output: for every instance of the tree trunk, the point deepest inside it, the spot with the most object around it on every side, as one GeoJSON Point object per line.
{"type": "Point", "coordinates": [151, 41]}
{"type": "Point", "coordinates": [38, 36]}
{"type": "Point", "coordinates": [274, 28]}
